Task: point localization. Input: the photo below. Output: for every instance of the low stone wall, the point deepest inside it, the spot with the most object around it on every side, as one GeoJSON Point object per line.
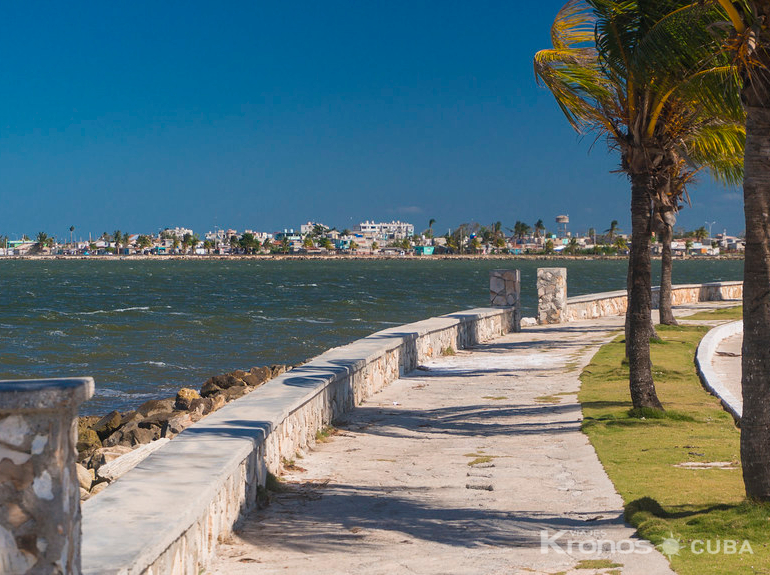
{"type": "Point", "coordinates": [615, 303]}
{"type": "Point", "coordinates": [167, 514]}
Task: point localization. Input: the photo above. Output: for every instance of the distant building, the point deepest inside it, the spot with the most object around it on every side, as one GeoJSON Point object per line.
{"type": "Point", "coordinates": [396, 230]}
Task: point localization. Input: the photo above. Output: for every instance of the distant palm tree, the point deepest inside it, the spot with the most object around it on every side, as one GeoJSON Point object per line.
{"type": "Point", "coordinates": [117, 237]}
{"type": "Point", "coordinates": [611, 231]}
{"type": "Point", "coordinates": [72, 229]}
{"type": "Point", "coordinates": [42, 241]}
{"type": "Point", "coordinates": [539, 228]}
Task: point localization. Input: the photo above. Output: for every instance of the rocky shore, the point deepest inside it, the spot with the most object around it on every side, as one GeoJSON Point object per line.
{"type": "Point", "coordinates": [110, 445]}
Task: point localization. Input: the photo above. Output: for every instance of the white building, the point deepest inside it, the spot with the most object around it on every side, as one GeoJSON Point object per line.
{"type": "Point", "coordinates": [396, 230]}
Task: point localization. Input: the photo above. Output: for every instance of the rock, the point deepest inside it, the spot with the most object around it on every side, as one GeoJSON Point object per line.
{"type": "Point", "coordinates": [258, 376]}
{"type": "Point", "coordinates": [107, 454]}
{"type": "Point", "coordinates": [108, 424]}
{"type": "Point", "coordinates": [157, 420]}
{"type": "Point", "coordinates": [528, 322]}
{"type": "Point", "coordinates": [234, 392]}
{"type": "Point", "coordinates": [84, 494]}
{"type": "Point", "coordinates": [132, 434]}
{"type": "Point", "coordinates": [277, 370]}
{"type": "Point", "coordinates": [217, 402]}
{"type": "Point", "coordinates": [87, 422]}
{"type": "Point", "coordinates": [204, 405]}
{"type": "Point", "coordinates": [219, 382]}
{"type": "Point", "coordinates": [153, 406]}
{"type": "Point", "coordinates": [114, 469]}
{"type": "Point", "coordinates": [88, 440]}
{"type": "Point", "coordinates": [183, 398]}
{"type": "Point", "coordinates": [209, 388]}
{"type": "Point", "coordinates": [84, 477]}
{"type": "Point", "coordinates": [99, 487]}
{"type": "Point", "coordinates": [177, 425]}
{"type": "Point", "coordinates": [128, 417]}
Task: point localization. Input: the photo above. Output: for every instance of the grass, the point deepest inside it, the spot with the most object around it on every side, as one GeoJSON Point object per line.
{"type": "Point", "coordinates": [448, 351]}
{"type": "Point", "coordinates": [323, 434]}
{"type": "Point", "coordinates": [719, 314]}
{"type": "Point", "coordinates": [479, 458]}
{"type": "Point", "coordinates": [597, 564]}
{"type": "Point", "coordinates": [640, 451]}
{"type": "Point", "coordinates": [495, 397]}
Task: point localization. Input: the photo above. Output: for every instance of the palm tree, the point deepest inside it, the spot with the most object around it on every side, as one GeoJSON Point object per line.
{"type": "Point", "coordinates": [520, 229]}
{"type": "Point", "coordinates": [117, 236]}
{"type": "Point", "coordinates": [666, 219]}
{"type": "Point", "coordinates": [701, 234]}
{"type": "Point", "coordinates": [539, 228]}
{"type": "Point", "coordinates": [663, 116]}
{"type": "Point", "coordinates": [72, 229]}
{"type": "Point", "coordinates": [430, 227]}
{"type": "Point", "coordinates": [611, 231]}
{"type": "Point", "coordinates": [41, 241]}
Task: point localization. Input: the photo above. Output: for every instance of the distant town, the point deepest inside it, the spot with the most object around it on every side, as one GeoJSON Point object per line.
{"type": "Point", "coordinates": [371, 238]}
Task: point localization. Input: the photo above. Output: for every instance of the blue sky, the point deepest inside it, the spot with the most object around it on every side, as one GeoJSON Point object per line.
{"type": "Point", "coordinates": [144, 115]}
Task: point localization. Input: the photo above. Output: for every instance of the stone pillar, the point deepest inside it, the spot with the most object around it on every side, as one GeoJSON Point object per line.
{"type": "Point", "coordinates": [39, 491]}
{"type": "Point", "coordinates": [505, 291]}
{"type": "Point", "coordinates": [551, 295]}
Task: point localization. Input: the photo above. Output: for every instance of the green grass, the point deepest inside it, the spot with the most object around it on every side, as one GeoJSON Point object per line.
{"type": "Point", "coordinates": [723, 313]}
{"type": "Point", "coordinates": [640, 451]}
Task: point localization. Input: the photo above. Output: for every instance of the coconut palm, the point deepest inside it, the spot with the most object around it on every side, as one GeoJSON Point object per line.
{"type": "Point", "coordinates": [665, 117]}
{"type": "Point", "coordinates": [665, 220]}
{"type": "Point", "coordinates": [611, 231]}
{"type": "Point", "coordinates": [539, 228]}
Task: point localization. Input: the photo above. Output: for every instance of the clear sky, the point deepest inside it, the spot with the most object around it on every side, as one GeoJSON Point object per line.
{"type": "Point", "coordinates": [143, 115]}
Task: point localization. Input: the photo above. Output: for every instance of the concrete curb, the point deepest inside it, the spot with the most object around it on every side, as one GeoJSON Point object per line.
{"type": "Point", "coordinates": [710, 379]}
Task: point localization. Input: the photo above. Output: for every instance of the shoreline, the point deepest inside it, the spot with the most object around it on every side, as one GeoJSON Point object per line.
{"type": "Point", "coordinates": [302, 257]}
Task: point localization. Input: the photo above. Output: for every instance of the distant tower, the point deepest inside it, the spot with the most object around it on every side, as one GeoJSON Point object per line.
{"type": "Point", "coordinates": [561, 225]}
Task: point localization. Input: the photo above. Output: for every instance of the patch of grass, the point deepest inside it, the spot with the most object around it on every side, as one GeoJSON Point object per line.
{"type": "Point", "coordinates": [495, 397]}
{"type": "Point", "coordinates": [548, 399]}
{"type": "Point", "coordinates": [274, 484]}
{"type": "Point", "coordinates": [640, 449]}
{"type": "Point", "coordinates": [448, 350]}
{"type": "Point", "coordinates": [478, 458]}
{"type": "Point", "coordinates": [323, 434]}
{"type": "Point", "coordinates": [722, 313]}
{"type": "Point", "coordinates": [291, 465]}
{"type": "Point", "coordinates": [597, 564]}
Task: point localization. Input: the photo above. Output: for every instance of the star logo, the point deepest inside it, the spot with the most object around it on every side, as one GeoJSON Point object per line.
{"type": "Point", "coordinates": [671, 545]}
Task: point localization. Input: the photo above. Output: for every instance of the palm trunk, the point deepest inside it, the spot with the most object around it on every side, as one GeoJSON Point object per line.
{"type": "Point", "coordinates": [664, 307]}
{"type": "Point", "coordinates": [755, 423]}
{"type": "Point", "coordinates": [640, 298]}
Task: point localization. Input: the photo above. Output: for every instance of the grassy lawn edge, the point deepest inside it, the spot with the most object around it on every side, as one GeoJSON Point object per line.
{"type": "Point", "coordinates": [678, 472]}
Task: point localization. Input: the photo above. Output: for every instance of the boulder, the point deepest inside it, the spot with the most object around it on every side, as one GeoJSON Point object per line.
{"type": "Point", "coordinates": [128, 417]}
{"type": "Point", "coordinates": [132, 434]}
{"type": "Point", "coordinates": [217, 402]}
{"type": "Point", "coordinates": [177, 425]}
{"type": "Point", "coordinates": [221, 382]}
{"type": "Point", "coordinates": [153, 406]}
{"type": "Point", "coordinates": [99, 487]}
{"type": "Point", "coordinates": [203, 405]}
{"type": "Point", "coordinates": [84, 494]}
{"type": "Point", "coordinates": [84, 477]}
{"type": "Point", "coordinates": [209, 388]}
{"type": "Point", "coordinates": [88, 440]}
{"type": "Point", "coordinates": [156, 420]}
{"type": "Point", "coordinates": [86, 422]}
{"type": "Point", "coordinates": [114, 469]}
{"type": "Point", "coordinates": [108, 424]}
{"type": "Point", "coordinates": [277, 370]}
{"type": "Point", "coordinates": [183, 398]}
{"type": "Point", "coordinates": [234, 392]}
{"type": "Point", "coordinates": [258, 376]}
{"type": "Point", "coordinates": [107, 454]}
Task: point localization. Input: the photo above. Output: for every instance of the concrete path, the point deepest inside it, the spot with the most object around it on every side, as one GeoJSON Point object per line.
{"type": "Point", "coordinates": [474, 464]}
{"type": "Point", "coordinates": [727, 363]}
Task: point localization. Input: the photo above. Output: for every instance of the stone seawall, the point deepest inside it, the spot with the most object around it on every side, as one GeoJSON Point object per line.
{"type": "Point", "coordinates": [167, 514]}
{"type": "Point", "coordinates": [614, 303]}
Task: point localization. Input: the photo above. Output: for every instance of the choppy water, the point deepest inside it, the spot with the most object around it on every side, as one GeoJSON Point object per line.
{"type": "Point", "coordinates": [144, 329]}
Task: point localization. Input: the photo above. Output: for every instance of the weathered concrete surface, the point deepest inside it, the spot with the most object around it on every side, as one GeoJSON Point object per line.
{"type": "Point", "coordinates": [394, 491]}
{"type": "Point", "coordinates": [719, 365]}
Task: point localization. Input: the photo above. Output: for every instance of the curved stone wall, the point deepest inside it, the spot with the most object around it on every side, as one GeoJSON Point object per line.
{"type": "Point", "coordinates": [168, 513]}
{"type": "Point", "coordinates": [615, 302]}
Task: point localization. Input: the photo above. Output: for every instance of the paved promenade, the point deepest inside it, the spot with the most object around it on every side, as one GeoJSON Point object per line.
{"type": "Point", "coordinates": [464, 466]}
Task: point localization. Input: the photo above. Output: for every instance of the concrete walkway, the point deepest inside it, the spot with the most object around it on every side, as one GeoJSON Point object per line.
{"type": "Point", "coordinates": [464, 466]}
{"type": "Point", "coordinates": [727, 363]}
